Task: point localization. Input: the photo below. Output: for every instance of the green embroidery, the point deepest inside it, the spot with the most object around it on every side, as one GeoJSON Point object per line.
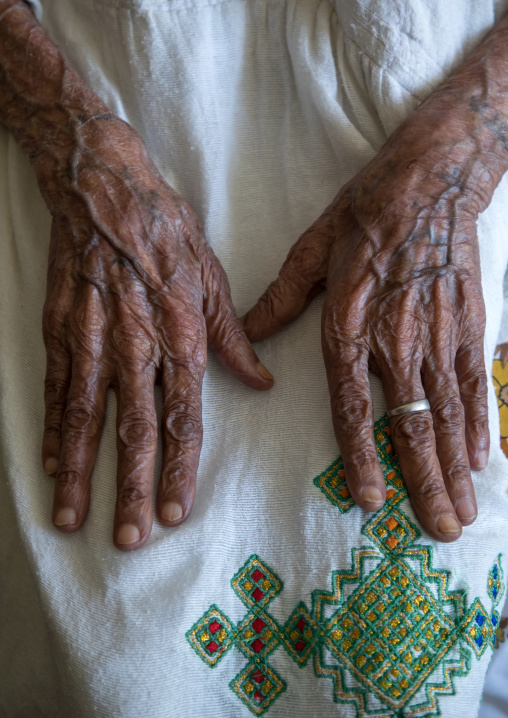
{"type": "Point", "coordinates": [390, 634]}
{"type": "Point", "coordinates": [257, 634]}
{"type": "Point", "coordinates": [332, 482]}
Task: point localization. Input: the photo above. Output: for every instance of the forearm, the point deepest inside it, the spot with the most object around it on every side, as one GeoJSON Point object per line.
{"type": "Point", "coordinates": [42, 100]}
{"type": "Point", "coordinates": [462, 128]}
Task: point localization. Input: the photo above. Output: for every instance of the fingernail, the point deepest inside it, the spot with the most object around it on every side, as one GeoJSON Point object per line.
{"type": "Point", "coordinates": [171, 511]}
{"type": "Point", "coordinates": [263, 371]}
{"type": "Point", "coordinates": [127, 533]}
{"type": "Point", "coordinates": [51, 465]}
{"type": "Point", "coordinates": [372, 495]}
{"type": "Point", "coordinates": [465, 510]}
{"type": "Point", "coordinates": [65, 516]}
{"type": "Point", "coordinates": [482, 459]}
{"type": "Point", "coordinates": [447, 524]}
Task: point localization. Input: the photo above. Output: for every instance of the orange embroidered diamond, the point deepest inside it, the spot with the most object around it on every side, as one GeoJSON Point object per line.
{"type": "Point", "coordinates": [391, 523]}
{"type": "Point", "coordinates": [390, 530]}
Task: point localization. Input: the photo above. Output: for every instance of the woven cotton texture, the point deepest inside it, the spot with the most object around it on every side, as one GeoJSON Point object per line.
{"type": "Point", "coordinates": [256, 111]}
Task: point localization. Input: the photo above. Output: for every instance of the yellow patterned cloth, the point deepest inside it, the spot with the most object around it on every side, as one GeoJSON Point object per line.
{"type": "Point", "coordinates": [500, 378]}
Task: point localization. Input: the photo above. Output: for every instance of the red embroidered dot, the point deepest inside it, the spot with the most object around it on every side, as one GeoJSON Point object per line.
{"type": "Point", "coordinates": [258, 697]}
{"type": "Point", "coordinates": [257, 645]}
{"type": "Point", "coordinates": [301, 624]}
{"type": "Point", "coordinates": [258, 676]}
{"type": "Point", "coordinates": [212, 646]}
{"type": "Point", "coordinates": [257, 594]}
{"type": "Point", "coordinates": [300, 645]}
{"type": "Point", "coordinates": [258, 625]}
{"type": "Point", "coordinates": [213, 627]}
{"type": "Point", "coordinates": [257, 575]}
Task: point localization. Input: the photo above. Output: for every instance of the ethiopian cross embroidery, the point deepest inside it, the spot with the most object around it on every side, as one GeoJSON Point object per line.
{"type": "Point", "coordinates": [390, 633]}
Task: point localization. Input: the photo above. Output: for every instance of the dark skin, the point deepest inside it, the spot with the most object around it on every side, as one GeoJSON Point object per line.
{"type": "Point", "coordinates": [135, 293]}
{"type": "Point", "coordinates": [397, 251]}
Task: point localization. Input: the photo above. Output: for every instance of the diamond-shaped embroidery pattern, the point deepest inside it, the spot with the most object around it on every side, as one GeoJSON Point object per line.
{"type": "Point", "coordinates": [383, 436]}
{"type": "Point", "coordinates": [257, 635]}
{"type": "Point", "coordinates": [395, 489]}
{"type": "Point", "coordinates": [258, 686]}
{"type": "Point", "coordinates": [332, 483]}
{"type": "Point", "coordinates": [478, 628]}
{"type": "Point", "coordinates": [496, 582]}
{"type": "Point", "coordinates": [398, 635]}
{"type": "Point", "coordinates": [494, 622]}
{"type": "Point", "coordinates": [390, 530]}
{"type": "Point", "coordinates": [211, 636]}
{"type": "Point", "coordinates": [255, 584]}
{"type": "Point", "coordinates": [391, 633]}
{"type": "Point", "coordinates": [301, 633]}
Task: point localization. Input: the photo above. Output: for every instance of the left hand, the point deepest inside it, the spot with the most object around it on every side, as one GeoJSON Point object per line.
{"type": "Point", "coordinates": [397, 251]}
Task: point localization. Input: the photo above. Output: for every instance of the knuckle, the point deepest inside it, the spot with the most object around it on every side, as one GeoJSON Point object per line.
{"type": "Point", "coordinates": [413, 431]}
{"type": "Point", "coordinates": [232, 333]}
{"type": "Point", "coordinates": [55, 390]}
{"type": "Point", "coordinates": [429, 489]}
{"type": "Point", "coordinates": [352, 413]}
{"type": "Point", "coordinates": [52, 432]}
{"type": "Point", "coordinates": [82, 417]}
{"type": "Point", "coordinates": [137, 431]}
{"type": "Point", "coordinates": [449, 414]}
{"type": "Point", "coordinates": [131, 495]}
{"type": "Point", "coordinates": [474, 386]}
{"type": "Point", "coordinates": [360, 459]}
{"type": "Point", "coordinates": [68, 478]}
{"type": "Point", "coordinates": [177, 480]}
{"type": "Point", "coordinates": [183, 424]}
{"type": "Point", "coordinates": [459, 474]}
{"type": "Point", "coordinates": [479, 426]}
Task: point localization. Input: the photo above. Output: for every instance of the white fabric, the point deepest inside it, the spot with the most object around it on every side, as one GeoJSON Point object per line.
{"type": "Point", "coordinates": [256, 111]}
{"type": "Point", "coordinates": [494, 702]}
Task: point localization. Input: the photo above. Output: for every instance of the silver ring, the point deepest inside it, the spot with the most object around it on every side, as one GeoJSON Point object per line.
{"type": "Point", "coordinates": [420, 405]}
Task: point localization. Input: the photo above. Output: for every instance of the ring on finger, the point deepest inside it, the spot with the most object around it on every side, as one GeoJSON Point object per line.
{"type": "Point", "coordinates": [420, 405]}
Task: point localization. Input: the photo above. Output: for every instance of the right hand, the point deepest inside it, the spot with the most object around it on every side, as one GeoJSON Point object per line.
{"type": "Point", "coordinates": [134, 294]}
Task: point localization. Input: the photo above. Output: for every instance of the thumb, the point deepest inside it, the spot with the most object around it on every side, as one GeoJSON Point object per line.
{"type": "Point", "coordinates": [225, 334]}
{"type": "Point", "coordinates": [301, 278]}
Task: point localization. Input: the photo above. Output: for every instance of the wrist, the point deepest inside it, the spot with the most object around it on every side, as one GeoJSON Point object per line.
{"type": "Point", "coordinates": [454, 145]}
{"type": "Point", "coordinates": [463, 125]}
{"type": "Point", "coordinates": [92, 148]}
{"type": "Point", "coordinates": [43, 102]}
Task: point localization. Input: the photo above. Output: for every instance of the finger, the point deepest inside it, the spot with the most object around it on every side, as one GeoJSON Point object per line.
{"type": "Point", "coordinates": [347, 371]}
{"type": "Point", "coordinates": [81, 431]}
{"type": "Point", "coordinates": [442, 391]}
{"type": "Point", "coordinates": [225, 333]}
{"type": "Point", "coordinates": [415, 444]}
{"type": "Point", "coordinates": [182, 432]}
{"type": "Point", "coordinates": [56, 387]}
{"type": "Point", "coordinates": [58, 361]}
{"type": "Point", "coordinates": [137, 447]}
{"type": "Point", "coordinates": [473, 386]}
{"type": "Point", "coordinates": [301, 278]}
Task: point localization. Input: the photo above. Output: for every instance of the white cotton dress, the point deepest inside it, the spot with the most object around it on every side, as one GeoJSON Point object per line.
{"type": "Point", "coordinates": [256, 111]}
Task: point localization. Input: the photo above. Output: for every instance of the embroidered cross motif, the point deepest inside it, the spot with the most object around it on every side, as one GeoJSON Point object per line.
{"type": "Point", "coordinates": [256, 635]}
{"type": "Point", "coordinates": [390, 634]}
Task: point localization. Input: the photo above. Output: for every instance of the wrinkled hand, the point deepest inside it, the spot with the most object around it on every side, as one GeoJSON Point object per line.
{"type": "Point", "coordinates": [397, 252]}
{"type": "Point", "coordinates": [134, 294]}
